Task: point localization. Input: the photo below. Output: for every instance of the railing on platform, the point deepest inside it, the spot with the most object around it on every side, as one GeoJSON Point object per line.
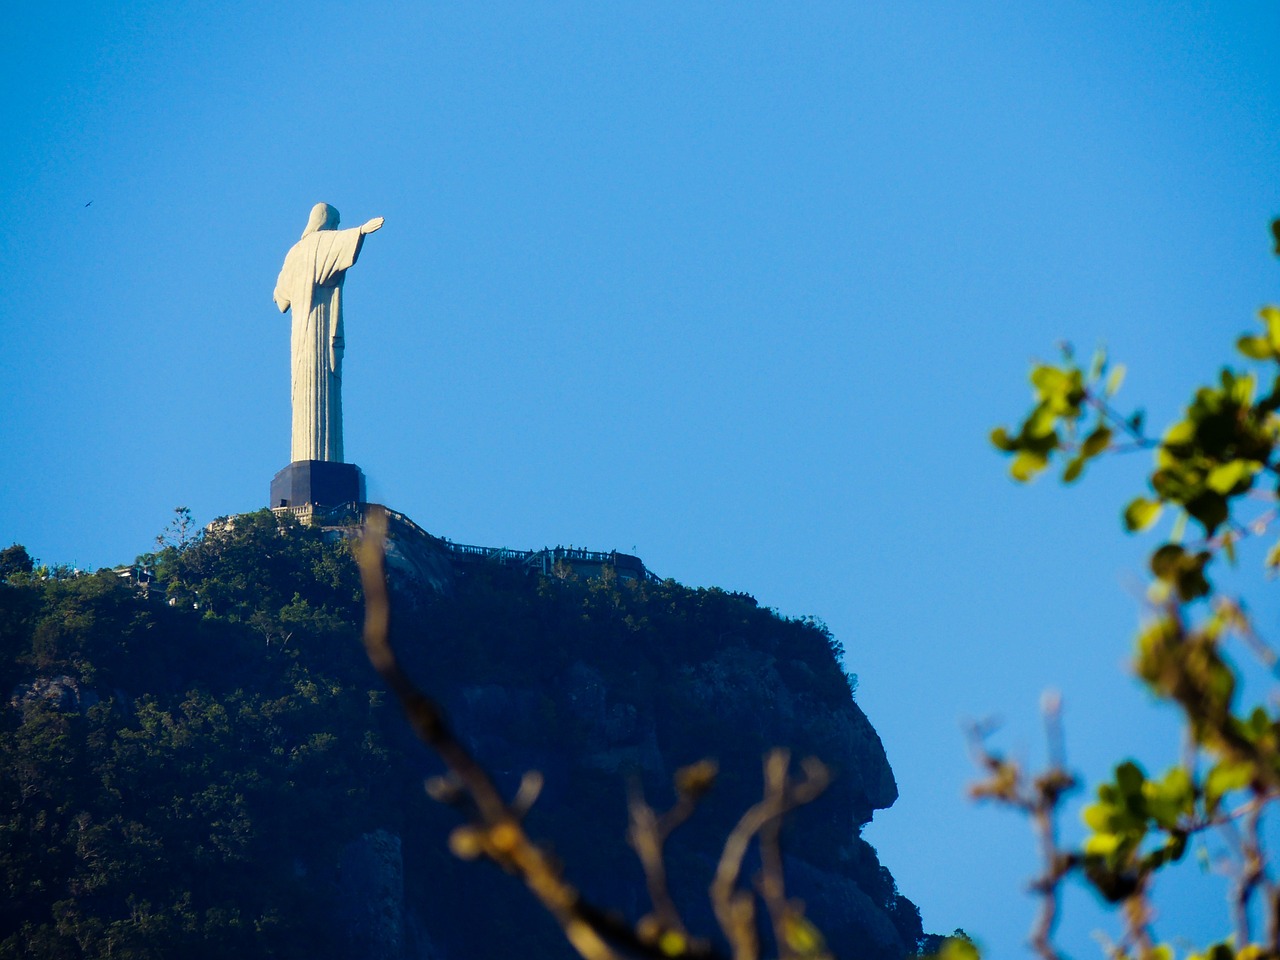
{"type": "Point", "coordinates": [543, 560]}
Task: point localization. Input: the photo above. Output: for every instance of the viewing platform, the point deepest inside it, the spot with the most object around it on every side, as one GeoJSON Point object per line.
{"type": "Point", "coordinates": [547, 561]}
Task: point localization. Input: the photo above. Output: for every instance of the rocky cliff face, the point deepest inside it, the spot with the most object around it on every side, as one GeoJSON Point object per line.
{"type": "Point", "coordinates": [626, 738]}
{"type": "Point", "coordinates": [371, 896]}
{"type": "Point", "coordinates": [602, 682]}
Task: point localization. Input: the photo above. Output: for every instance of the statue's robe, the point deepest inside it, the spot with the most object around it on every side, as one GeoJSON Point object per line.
{"type": "Point", "coordinates": [311, 282]}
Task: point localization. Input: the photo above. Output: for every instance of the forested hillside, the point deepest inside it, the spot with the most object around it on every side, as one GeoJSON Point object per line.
{"type": "Point", "coordinates": [211, 768]}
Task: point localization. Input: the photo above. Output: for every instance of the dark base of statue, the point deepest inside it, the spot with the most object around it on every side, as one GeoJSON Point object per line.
{"type": "Point", "coordinates": [325, 483]}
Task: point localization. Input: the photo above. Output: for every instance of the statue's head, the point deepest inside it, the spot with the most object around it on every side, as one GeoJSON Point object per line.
{"type": "Point", "coordinates": [323, 217]}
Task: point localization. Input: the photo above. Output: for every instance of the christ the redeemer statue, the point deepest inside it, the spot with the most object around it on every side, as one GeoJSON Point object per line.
{"type": "Point", "coordinates": [311, 283]}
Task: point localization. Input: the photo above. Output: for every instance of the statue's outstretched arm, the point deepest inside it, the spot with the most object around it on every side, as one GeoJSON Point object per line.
{"type": "Point", "coordinates": [372, 225]}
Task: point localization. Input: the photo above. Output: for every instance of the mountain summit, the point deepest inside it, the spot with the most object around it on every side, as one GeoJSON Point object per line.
{"type": "Point", "coordinates": [202, 762]}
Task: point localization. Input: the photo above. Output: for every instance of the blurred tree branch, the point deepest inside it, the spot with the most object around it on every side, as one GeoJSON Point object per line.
{"type": "Point", "coordinates": [1209, 469]}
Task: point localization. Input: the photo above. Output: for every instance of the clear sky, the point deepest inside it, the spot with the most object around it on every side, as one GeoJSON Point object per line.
{"type": "Point", "coordinates": [738, 287]}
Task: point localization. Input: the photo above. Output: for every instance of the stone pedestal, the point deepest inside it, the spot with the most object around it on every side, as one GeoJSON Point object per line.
{"type": "Point", "coordinates": [321, 482]}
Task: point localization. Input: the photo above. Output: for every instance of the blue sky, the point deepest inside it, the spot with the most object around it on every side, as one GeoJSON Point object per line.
{"type": "Point", "coordinates": [742, 287]}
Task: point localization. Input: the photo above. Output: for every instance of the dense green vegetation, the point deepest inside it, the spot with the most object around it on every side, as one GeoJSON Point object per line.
{"type": "Point", "coordinates": [183, 770]}
{"type": "Point", "coordinates": [164, 815]}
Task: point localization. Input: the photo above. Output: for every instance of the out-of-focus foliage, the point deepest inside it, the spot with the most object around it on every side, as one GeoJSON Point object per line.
{"type": "Point", "coordinates": [1216, 471]}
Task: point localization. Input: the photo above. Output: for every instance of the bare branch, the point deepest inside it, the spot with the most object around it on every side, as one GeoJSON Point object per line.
{"type": "Point", "coordinates": [1040, 799]}
{"type": "Point", "coordinates": [735, 907]}
{"type": "Point", "coordinates": [648, 834]}
{"type": "Point", "coordinates": [1107, 413]}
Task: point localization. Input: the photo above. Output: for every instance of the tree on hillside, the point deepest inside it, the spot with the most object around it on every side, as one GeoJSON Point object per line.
{"type": "Point", "coordinates": [180, 531]}
{"type": "Point", "coordinates": [15, 559]}
{"type": "Point", "coordinates": [1216, 471]}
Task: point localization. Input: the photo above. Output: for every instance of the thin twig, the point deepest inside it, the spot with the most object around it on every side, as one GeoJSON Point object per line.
{"type": "Point", "coordinates": [1139, 440]}
{"type": "Point", "coordinates": [734, 907]}
{"type": "Point", "coordinates": [771, 883]}
{"type": "Point", "coordinates": [1245, 628]}
{"type": "Point", "coordinates": [1252, 873]}
{"type": "Point", "coordinates": [648, 834]}
{"type": "Point", "coordinates": [1136, 911]}
{"type": "Point", "coordinates": [1040, 800]}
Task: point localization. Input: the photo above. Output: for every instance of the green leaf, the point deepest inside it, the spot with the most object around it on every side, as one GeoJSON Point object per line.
{"type": "Point", "coordinates": [1074, 468]}
{"type": "Point", "coordinates": [1222, 951]}
{"type": "Point", "coordinates": [1115, 379]}
{"type": "Point", "coordinates": [1224, 777]}
{"type": "Point", "coordinates": [1260, 722]}
{"type": "Point", "coordinates": [1191, 581]}
{"type": "Point", "coordinates": [1048, 380]}
{"type": "Point", "coordinates": [1129, 779]}
{"type": "Point", "coordinates": [1041, 422]}
{"type": "Point", "coordinates": [1098, 364]}
{"type": "Point", "coordinates": [1001, 440]}
{"type": "Point", "coordinates": [1210, 508]}
{"type": "Point", "coordinates": [1271, 317]}
{"type": "Point", "coordinates": [1241, 389]}
{"type": "Point", "coordinates": [1167, 561]}
{"type": "Point", "coordinates": [1097, 816]}
{"type": "Point", "coordinates": [1224, 477]}
{"type": "Point", "coordinates": [1102, 844]}
{"type": "Point", "coordinates": [1141, 514]}
{"type": "Point", "coordinates": [1096, 442]}
{"type": "Point", "coordinates": [956, 949]}
{"type": "Point", "coordinates": [1255, 348]}
{"type": "Point", "coordinates": [1177, 788]}
{"type": "Point", "coordinates": [1026, 465]}
{"type": "Point", "coordinates": [1180, 434]}
{"type": "Point", "coordinates": [1167, 800]}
